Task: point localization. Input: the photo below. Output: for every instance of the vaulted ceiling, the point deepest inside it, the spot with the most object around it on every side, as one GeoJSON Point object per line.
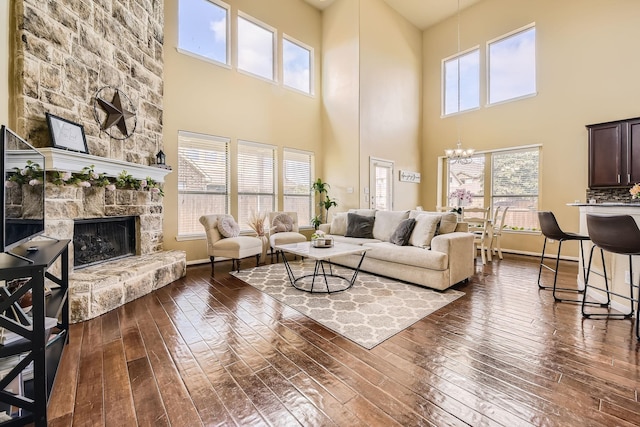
{"type": "Point", "coordinates": [421, 13]}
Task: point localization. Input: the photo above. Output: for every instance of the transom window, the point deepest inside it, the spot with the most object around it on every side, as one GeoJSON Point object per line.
{"type": "Point", "coordinates": [256, 180]}
{"type": "Point", "coordinates": [203, 179]}
{"type": "Point", "coordinates": [296, 65]}
{"type": "Point", "coordinates": [461, 82]}
{"type": "Point", "coordinates": [203, 29]}
{"type": "Point", "coordinates": [512, 65]}
{"type": "Point", "coordinates": [256, 47]}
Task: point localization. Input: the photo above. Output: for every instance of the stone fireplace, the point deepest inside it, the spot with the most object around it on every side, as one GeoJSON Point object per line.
{"type": "Point", "coordinates": [98, 240]}
{"type": "Point", "coordinates": [64, 53]}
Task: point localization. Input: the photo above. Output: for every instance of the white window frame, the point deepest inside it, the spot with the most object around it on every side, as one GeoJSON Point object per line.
{"type": "Point", "coordinates": [504, 37]}
{"type": "Point", "coordinates": [274, 47]}
{"type": "Point", "coordinates": [274, 195]}
{"type": "Point", "coordinates": [443, 190]}
{"type": "Point", "coordinates": [203, 138]}
{"type": "Point", "coordinates": [292, 40]}
{"type": "Point", "coordinates": [227, 63]}
{"type": "Point", "coordinates": [443, 91]}
{"type": "Point", "coordinates": [303, 222]}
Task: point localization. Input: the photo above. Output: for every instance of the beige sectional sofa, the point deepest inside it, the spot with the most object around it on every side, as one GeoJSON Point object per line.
{"type": "Point", "coordinates": [439, 252]}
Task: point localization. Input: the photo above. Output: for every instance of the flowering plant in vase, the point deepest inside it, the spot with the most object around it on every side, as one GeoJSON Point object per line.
{"type": "Point", "coordinates": [635, 191]}
{"type": "Point", "coordinates": [319, 234]}
{"type": "Point", "coordinates": [461, 196]}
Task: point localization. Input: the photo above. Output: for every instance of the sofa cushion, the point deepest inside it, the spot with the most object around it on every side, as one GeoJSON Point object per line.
{"type": "Point", "coordinates": [228, 227]}
{"type": "Point", "coordinates": [359, 226]}
{"type": "Point", "coordinates": [424, 230]}
{"type": "Point", "coordinates": [402, 233]}
{"type": "Point", "coordinates": [386, 222]}
{"type": "Point", "coordinates": [407, 255]}
{"type": "Point", "coordinates": [364, 212]}
{"type": "Point", "coordinates": [339, 223]}
{"type": "Point", "coordinates": [448, 220]}
{"type": "Point", "coordinates": [281, 223]}
{"type": "Point", "coordinates": [353, 240]}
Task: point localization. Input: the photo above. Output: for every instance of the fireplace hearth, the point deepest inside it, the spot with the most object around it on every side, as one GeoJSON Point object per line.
{"type": "Point", "coordinates": [97, 240]}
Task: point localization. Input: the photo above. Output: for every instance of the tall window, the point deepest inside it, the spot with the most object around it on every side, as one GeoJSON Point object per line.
{"type": "Point", "coordinates": [461, 82]}
{"type": "Point", "coordinates": [256, 47]}
{"type": "Point", "coordinates": [203, 29]}
{"type": "Point", "coordinates": [297, 172]}
{"type": "Point", "coordinates": [296, 65]}
{"type": "Point", "coordinates": [515, 184]}
{"type": "Point", "coordinates": [203, 179]}
{"type": "Point", "coordinates": [470, 177]}
{"type": "Point", "coordinates": [256, 179]}
{"type": "Point", "coordinates": [512, 65]}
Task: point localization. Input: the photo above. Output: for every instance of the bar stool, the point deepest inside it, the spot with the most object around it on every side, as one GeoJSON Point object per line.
{"type": "Point", "coordinates": [618, 234]}
{"type": "Point", "coordinates": [551, 230]}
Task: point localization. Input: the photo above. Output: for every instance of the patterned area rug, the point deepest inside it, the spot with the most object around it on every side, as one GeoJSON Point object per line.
{"type": "Point", "coordinates": [374, 309]}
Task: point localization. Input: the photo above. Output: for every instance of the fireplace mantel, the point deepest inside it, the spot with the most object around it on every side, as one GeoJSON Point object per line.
{"type": "Point", "coordinates": [71, 161]}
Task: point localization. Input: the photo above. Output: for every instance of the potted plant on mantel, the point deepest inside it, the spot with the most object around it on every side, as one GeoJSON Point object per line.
{"type": "Point", "coordinates": [321, 188]}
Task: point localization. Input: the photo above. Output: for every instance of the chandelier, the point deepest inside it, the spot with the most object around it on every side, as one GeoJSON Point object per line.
{"type": "Point", "coordinates": [459, 155]}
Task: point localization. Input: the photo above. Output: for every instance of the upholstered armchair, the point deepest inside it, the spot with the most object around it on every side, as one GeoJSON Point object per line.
{"type": "Point", "coordinates": [283, 229]}
{"type": "Point", "coordinates": [223, 240]}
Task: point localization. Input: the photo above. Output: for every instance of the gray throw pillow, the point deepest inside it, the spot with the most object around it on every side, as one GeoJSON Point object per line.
{"type": "Point", "coordinates": [228, 227]}
{"type": "Point", "coordinates": [359, 226]}
{"type": "Point", "coordinates": [402, 233]}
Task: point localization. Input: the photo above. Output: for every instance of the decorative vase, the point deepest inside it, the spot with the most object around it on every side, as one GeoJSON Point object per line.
{"type": "Point", "coordinates": [265, 248]}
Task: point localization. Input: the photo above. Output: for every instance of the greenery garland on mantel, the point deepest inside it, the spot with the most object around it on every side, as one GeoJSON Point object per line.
{"type": "Point", "coordinates": [33, 174]}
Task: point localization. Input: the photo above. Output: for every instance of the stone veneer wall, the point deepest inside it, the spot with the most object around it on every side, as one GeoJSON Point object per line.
{"type": "Point", "coordinates": [65, 51]}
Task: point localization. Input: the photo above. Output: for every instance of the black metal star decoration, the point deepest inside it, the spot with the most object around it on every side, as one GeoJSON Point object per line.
{"type": "Point", "coordinates": [117, 114]}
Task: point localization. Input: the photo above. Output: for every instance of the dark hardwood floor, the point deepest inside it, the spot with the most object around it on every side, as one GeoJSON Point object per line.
{"type": "Point", "coordinates": [218, 352]}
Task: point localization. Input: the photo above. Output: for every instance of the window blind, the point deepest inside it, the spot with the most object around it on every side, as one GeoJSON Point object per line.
{"type": "Point", "coordinates": [297, 179]}
{"type": "Point", "coordinates": [256, 179]}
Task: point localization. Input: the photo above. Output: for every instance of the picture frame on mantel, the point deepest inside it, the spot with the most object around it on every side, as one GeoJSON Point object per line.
{"type": "Point", "coordinates": [66, 134]}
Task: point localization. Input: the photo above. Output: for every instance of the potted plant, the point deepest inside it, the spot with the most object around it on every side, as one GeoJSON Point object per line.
{"type": "Point", "coordinates": [321, 188]}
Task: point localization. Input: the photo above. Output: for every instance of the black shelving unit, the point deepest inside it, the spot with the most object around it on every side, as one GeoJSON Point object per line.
{"type": "Point", "coordinates": [35, 344]}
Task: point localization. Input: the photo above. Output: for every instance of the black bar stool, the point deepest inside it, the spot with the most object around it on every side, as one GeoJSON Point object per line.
{"type": "Point", "coordinates": [618, 234]}
{"type": "Point", "coordinates": [551, 230]}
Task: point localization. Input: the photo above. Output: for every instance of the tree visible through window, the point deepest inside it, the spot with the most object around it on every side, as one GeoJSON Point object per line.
{"type": "Point", "coordinates": [515, 176]}
{"type": "Point", "coordinates": [203, 28]}
{"type": "Point", "coordinates": [203, 179]}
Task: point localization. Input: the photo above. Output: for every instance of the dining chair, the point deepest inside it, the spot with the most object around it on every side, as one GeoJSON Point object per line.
{"type": "Point", "coordinates": [498, 225]}
{"type": "Point", "coordinates": [480, 225]}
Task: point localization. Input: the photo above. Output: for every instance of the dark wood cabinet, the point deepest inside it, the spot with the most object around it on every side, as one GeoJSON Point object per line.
{"type": "Point", "coordinates": [39, 339]}
{"type": "Point", "coordinates": [614, 153]}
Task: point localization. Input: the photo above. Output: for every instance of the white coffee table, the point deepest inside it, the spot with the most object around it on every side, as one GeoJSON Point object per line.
{"type": "Point", "coordinates": [332, 282]}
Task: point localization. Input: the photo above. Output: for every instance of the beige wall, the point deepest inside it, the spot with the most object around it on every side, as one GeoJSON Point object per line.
{"type": "Point", "coordinates": [4, 63]}
{"type": "Point", "coordinates": [587, 73]}
{"type": "Point", "coordinates": [372, 98]}
{"type": "Point", "coordinates": [340, 97]}
{"type": "Point", "coordinates": [207, 98]}
{"type": "Point", "coordinates": [390, 96]}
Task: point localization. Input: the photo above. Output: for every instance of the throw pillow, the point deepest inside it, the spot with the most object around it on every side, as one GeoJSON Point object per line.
{"type": "Point", "coordinates": [402, 233]}
{"type": "Point", "coordinates": [359, 226]}
{"type": "Point", "coordinates": [281, 223]}
{"type": "Point", "coordinates": [339, 224]}
{"type": "Point", "coordinates": [228, 227]}
{"type": "Point", "coordinates": [448, 223]}
{"type": "Point", "coordinates": [424, 230]}
{"type": "Point", "coordinates": [386, 223]}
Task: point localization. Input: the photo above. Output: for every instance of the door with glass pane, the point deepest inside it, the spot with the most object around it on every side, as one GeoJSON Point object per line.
{"type": "Point", "coordinates": [381, 184]}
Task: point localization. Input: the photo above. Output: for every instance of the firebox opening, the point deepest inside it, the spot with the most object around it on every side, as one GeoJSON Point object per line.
{"type": "Point", "coordinates": [97, 240]}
